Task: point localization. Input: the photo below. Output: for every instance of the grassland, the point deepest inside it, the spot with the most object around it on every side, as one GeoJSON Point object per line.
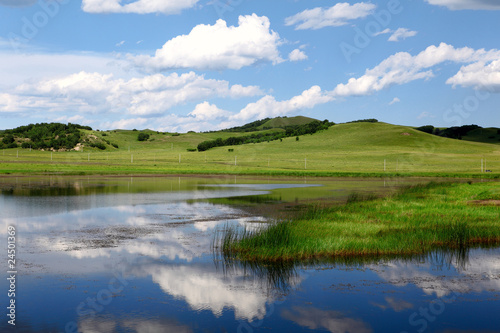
{"type": "Point", "coordinates": [356, 149]}
{"type": "Point", "coordinates": [414, 221]}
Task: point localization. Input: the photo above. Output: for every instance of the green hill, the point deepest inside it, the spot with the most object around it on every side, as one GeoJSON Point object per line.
{"type": "Point", "coordinates": [284, 122]}
{"type": "Point", "coordinates": [487, 135]}
{"type": "Point", "coordinates": [467, 132]}
{"type": "Point", "coordinates": [344, 149]}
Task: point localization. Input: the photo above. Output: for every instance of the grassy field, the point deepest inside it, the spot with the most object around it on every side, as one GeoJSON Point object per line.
{"type": "Point", "coordinates": [375, 149]}
{"type": "Point", "coordinates": [414, 221]}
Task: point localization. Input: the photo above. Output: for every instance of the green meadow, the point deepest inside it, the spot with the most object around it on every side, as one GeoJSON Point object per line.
{"type": "Point", "coordinates": [354, 149]}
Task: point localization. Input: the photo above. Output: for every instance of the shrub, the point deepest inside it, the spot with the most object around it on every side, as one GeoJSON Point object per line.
{"type": "Point", "coordinates": [8, 139]}
{"type": "Point", "coordinates": [427, 129]}
{"type": "Point", "coordinates": [143, 136]}
{"type": "Point", "coordinates": [98, 145]}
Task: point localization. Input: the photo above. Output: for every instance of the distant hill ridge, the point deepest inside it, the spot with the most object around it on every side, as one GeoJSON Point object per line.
{"type": "Point", "coordinates": [467, 132]}
{"type": "Point", "coordinates": [61, 137]}
{"type": "Point", "coordinates": [270, 123]}
{"type": "Point", "coordinates": [284, 122]}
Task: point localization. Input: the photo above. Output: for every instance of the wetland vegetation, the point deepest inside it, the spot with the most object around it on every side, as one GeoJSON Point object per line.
{"type": "Point", "coordinates": [415, 220]}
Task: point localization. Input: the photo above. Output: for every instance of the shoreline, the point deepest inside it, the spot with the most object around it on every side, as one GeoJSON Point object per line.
{"type": "Point", "coordinates": [415, 220]}
{"type": "Point", "coordinates": [276, 173]}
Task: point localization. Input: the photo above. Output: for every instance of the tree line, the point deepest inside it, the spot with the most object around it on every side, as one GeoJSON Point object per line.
{"type": "Point", "coordinates": [290, 131]}
{"type": "Point", "coordinates": [455, 132]}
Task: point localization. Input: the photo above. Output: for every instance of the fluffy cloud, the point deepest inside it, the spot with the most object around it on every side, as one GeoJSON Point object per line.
{"type": "Point", "coordinates": [145, 96]}
{"type": "Point", "coordinates": [206, 111]}
{"type": "Point", "coordinates": [338, 15]}
{"type": "Point", "coordinates": [138, 6]}
{"type": "Point", "coordinates": [208, 116]}
{"type": "Point", "coordinates": [217, 47]}
{"type": "Point", "coordinates": [401, 34]}
{"type": "Point", "coordinates": [479, 75]}
{"type": "Point", "coordinates": [402, 68]}
{"type": "Point", "coordinates": [467, 4]}
{"type": "Point", "coordinates": [268, 106]}
{"type": "Point", "coordinates": [297, 55]}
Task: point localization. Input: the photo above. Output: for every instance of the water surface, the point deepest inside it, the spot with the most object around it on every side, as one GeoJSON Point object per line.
{"type": "Point", "coordinates": [134, 254]}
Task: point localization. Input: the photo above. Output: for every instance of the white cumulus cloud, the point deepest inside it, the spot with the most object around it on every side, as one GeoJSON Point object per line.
{"type": "Point", "coordinates": [268, 106]}
{"type": "Point", "coordinates": [402, 68]}
{"type": "Point", "coordinates": [338, 15]}
{"type": "Point", "coordinates": [137, 7]}
{"type": "Point", "coordinates": [217, 47]}
{"type": "Point", "coordinates": [467, 4]}
{"type": "Point", "coordinates": [480, 75]}
{"type": "Point", "coordinates": [401, 34]}
{"type": "Point", "coordinates": [206, 111]}
{"type": "Point", "coordinates": [96, 92]}
{"type": "Point", "coordinates": [297, 55]}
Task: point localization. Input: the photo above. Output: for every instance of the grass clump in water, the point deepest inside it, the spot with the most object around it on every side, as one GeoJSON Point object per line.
{"type": "Point", "coordinates": [416, 220]}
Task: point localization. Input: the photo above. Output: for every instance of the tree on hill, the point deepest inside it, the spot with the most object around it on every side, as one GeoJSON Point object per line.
{"type": "Point", "coordinates": [291, 131]}
{"type": "Point", "coordinates": [47, 135]}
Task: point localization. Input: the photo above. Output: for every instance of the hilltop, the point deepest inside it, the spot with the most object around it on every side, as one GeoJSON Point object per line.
{"type": "Point", "coordinates": [270, 123]}
{"type": "Point", "coordinates": [285, 122]}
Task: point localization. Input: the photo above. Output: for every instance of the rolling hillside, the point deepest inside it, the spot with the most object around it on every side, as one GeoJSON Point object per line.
{"type": "Point", "coordinates": [353, 148]}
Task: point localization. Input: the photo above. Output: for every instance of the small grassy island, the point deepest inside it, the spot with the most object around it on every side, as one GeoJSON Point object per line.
{"type": "Point", "coordinates": [415, 220]}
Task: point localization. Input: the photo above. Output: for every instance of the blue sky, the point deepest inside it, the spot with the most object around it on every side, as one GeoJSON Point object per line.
{"type": "Point", "coordinates": [180, 65]}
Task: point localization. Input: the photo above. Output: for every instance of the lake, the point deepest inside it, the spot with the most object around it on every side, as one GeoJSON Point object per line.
{"type": "Point", "coordinates": [136, 254]}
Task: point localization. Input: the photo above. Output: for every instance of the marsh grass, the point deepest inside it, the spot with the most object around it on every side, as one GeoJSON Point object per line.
{"type": "Point", "coordinates": [415, 220]}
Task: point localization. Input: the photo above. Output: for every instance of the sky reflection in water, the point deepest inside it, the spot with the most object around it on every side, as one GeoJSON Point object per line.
{"type": "Point", "coordinates": [151, 254]}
